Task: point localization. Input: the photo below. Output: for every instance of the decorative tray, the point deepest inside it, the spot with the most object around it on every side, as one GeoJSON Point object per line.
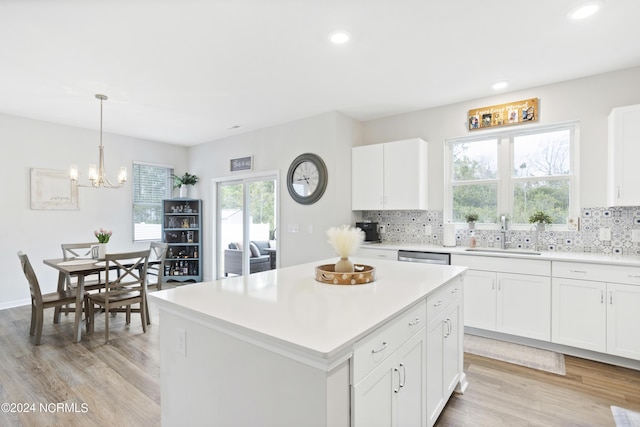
{"type": "Point", "coordinates": [363, 274]}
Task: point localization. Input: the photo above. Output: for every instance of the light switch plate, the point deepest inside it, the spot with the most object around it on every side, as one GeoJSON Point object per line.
{"type": "Point", "coordinates": [605, 234]}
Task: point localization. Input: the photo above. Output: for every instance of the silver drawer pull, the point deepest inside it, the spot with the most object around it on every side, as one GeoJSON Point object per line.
{"type": "Point", "coordinates": [438, 303]}
{"type": "Point", "coordinates": [384, 346]}
{"type": "Point", "coordinates": [454, 290]}
{"type": "Point", "coordinates": [415, 322]}
{"type": "Point", "coordinates": [579, 271]}
{"type": "Point", "coordinates": [634, 276]}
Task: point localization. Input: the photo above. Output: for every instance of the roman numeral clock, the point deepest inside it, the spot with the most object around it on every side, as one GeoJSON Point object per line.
{"type": "Point", "coordinates": [307, 178]}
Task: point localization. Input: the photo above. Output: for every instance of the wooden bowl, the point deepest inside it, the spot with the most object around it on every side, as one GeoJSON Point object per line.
{"type": "Point", "coordinates": [363, 274]}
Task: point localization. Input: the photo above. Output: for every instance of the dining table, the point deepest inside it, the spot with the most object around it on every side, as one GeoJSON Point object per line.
{"type": "Point", "coordinates": [79, 268]}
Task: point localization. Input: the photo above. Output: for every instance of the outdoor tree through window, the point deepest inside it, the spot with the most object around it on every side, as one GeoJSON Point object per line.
{"type": "Point", "coordinates": [513, 173]}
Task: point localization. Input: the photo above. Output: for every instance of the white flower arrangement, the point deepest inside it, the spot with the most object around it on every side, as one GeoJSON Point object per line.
{"type": "Point", "coordinates": [345, 239]}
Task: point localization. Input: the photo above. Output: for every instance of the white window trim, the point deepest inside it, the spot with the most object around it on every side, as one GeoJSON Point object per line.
{"type": "Point", "coordinates": [505, 184]}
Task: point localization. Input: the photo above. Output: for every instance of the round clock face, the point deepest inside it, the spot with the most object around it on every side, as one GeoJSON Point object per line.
{"type": "Point", "coordinates": [307, 178]}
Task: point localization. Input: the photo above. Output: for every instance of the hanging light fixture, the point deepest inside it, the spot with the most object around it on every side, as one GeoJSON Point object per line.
{"type": "Point", "coordinates": [96, 174]}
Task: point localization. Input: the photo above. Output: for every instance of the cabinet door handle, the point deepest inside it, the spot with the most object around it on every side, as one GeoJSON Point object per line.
{"type": "Point", "coordinates": [601, 297]}
{"type": "Point", "coordinates": [384, 346]}
{"type": "Point", "coordinates": [415, 322]}
{"type": "Point", "coordinates": [404, 376]}
{"type": "Point", "coordinates": [395, 390]}
{"type": "Point", "coordinates": [449, 328]}
{"type": "Point", "coordinates": [610, 297]}
{"type": "Point", "coordinates": [493, 285]}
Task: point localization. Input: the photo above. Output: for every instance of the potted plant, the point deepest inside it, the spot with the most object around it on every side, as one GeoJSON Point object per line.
{"type": "Point", "coordinates": [540, 219]}
{"type": "Point", "coordinates": [182, 181]}
{"type": "Point", "coordinates": [471, 218]}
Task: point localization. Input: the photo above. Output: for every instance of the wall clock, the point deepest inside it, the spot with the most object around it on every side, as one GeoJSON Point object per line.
{"type": "Point", "coordinates": [307, 178]}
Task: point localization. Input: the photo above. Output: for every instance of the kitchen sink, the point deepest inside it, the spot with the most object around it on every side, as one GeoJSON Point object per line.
{"type": "Point", "coordinates": [503, 251]}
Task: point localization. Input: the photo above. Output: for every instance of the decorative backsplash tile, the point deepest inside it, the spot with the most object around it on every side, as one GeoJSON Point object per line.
{"type": "Point", "coordinates": [426, 227]}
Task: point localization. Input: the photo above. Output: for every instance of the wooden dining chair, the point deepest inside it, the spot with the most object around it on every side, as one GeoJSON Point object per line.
{"type": "Point", "coordinates": [39, 301]}
{"type": "Point", "coordinates": [125, 285]}
{"type": "Point", "coordinates": [81, 250]}
{"type": "Point", "coordinates": [157, 257]}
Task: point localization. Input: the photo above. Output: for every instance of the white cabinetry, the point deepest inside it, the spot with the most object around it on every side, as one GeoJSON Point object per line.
{"type": "Point", "coordinates": [389, 373]}
{"type": "Point", "coordinates": [389, 176]}
{"type": "Point", "coordinates": [378, 253]}
{"type": "Point", "coordinates": [444, 347]}
{"type": "Point", "coordinates": [512, 297]}
{"type": "Point", "coordinates": [595, 307]}
{"type": "Point", "coordinates": [624, 152]}
{"type": "Point", "coordinates": [393, 394]}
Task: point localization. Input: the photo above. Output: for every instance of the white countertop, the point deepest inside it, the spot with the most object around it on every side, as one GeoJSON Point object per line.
{"type": "Point", "coordinates": [288, 307]}
{"type": "Point", "coordinates": [627, 260]}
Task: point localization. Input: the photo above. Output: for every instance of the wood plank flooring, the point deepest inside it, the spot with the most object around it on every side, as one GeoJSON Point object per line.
{"type": "Point", "coordinates": [119, 384]}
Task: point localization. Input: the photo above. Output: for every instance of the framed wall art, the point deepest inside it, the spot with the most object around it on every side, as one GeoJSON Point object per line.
{"type": "Point", "coordinates": [53, 190]}
{"type": "Point", "coordinates": [241, 164]}
{"type": "Point", "coordinates": [513, 113]}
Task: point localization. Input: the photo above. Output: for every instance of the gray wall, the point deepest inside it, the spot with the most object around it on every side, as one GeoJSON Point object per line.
{"type": "Point", "coordinates": [35, 144]}
{"type": "Point", "coordinates": [588, 100]}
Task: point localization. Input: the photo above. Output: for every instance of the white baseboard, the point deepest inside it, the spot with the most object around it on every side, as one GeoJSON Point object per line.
{"type": "Point", "coordinates": [17, 303]}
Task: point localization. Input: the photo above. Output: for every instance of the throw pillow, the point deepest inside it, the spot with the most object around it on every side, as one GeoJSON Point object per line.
{"type": "Point", "coordinates": [255, 252]}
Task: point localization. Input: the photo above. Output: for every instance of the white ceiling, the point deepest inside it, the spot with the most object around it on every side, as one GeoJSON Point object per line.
{"type": "Point", "coordinates": [186, 71]}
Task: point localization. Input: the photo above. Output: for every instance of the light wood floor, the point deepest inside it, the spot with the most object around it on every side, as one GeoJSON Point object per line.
{"type": "Point", "coordinates": [119, 385]}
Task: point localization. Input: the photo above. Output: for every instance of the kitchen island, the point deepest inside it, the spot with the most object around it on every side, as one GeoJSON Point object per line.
{"type": "Point", "coordinates": [278, 348]}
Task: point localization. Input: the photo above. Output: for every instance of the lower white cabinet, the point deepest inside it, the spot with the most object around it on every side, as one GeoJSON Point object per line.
{"type": "Point", "coordinates": [444, 358]}
{"type": "Point", "coordinates": [378, 253]}
{"type": "Point", "coordinates": [596, 314]}
{"type": "Point", "coordinates": [403, 376]}
{"type": "Point", "coordinates": [393, 394]}
{"type": "Point", "coordinates": [496, 299]}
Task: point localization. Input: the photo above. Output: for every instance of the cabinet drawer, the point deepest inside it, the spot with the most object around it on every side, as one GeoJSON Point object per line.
{"type": "Point", "coordinates": [377, 346]}
{"type": "Point", "coordinates": [503, 264]}
{"type": "Point", "coordinates": [597, 272]}
{"type": "Point", "coordinates": [377, 253]}
{"type": "Point", "coordinates": [437, 302]}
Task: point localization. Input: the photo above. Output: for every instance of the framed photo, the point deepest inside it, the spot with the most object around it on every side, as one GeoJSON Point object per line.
{"type": "Point", "coordinates": [241, 164]}
{"type": "Point", "coordinates": [513, 113]}
{"type": "Point", "coordinates": [53, 190]}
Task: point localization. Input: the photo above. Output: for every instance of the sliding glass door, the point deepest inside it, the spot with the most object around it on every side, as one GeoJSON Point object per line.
{"type": "Point", "coordinates": [246, 226]}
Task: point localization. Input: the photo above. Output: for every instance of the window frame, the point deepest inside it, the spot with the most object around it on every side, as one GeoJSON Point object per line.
{"type": "Point", "coordinates": [168, 195]}
{"type": "Point", "coordinates": [505, 179]}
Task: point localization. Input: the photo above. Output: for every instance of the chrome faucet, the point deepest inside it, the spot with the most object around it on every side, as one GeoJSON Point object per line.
{"type": "Point", "coordinates": [504, 225]}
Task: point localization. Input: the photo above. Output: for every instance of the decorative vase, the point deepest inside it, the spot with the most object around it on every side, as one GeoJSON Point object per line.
{"type": "Point", "coordinates": [344, 266]}
{"type": "Point", "coordinates": [98, 251]}
{"type": "Point", "coordinates": [540, 227]}
{"type": "Point", "coordinates": [183, 191]}
{"type": "Point", "coordinates": [472, 225]}
{"type": "Point", "coordinates": [102, 250]}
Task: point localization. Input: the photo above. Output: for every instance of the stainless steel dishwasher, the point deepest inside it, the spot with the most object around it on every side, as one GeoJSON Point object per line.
{"type": "Point", "coordinates": [425, 257]}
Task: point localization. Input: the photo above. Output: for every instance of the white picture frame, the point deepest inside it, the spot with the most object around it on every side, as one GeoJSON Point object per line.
{"type": "Point", "coordinates": [53, 190]}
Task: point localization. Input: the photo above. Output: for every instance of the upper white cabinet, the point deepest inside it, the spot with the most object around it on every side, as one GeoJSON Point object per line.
{"type": "Point", "coordinates": [389, 176]}
{"type": "Point", "coordinates": [624, 152]}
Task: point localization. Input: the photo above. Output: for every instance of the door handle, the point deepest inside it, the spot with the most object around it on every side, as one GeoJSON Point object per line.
{"type": "Point", "coordinates": [395, 390]}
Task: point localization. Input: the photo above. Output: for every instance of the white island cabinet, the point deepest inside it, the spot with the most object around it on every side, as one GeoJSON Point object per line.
{"type": "Point", "coordinates": [278, 348]}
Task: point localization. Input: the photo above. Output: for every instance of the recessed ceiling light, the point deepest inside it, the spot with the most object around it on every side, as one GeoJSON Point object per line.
{"type": "Point", "coordinates": [584, 10]}
{"type": "Point", "coordinates": [500, 85]}
{"type": "Point", "coordinates": [339, 37]}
